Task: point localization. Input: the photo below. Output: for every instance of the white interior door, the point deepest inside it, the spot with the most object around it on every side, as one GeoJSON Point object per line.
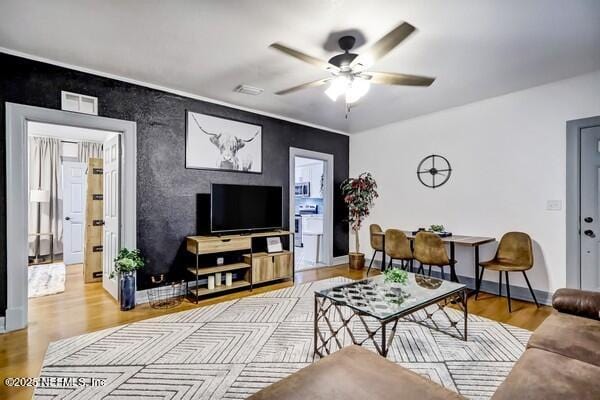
{"type": "Point", "coordinates": [111, 212]}
{"type": "Point", "coordinates": [590, 208]}
{"type": "Point", "coordinates": [73, 211]}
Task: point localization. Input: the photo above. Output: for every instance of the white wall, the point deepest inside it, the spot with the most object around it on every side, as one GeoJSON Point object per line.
{"type": "Point", "coordinates": [508, 157]}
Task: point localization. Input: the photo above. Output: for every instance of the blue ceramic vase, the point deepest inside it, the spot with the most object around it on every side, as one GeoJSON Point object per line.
{"type": "Point", "coordinates": [127, 291]}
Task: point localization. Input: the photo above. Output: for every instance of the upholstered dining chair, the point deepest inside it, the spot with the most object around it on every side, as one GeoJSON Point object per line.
{"type": "Point", "coordinates": [514, 254]}
{"type": "Point", "coordinates": [376, 243]}
{"type": "Point", "coordinates": [397, 247]}
{"type": "Point", "coordinates": [430, 250]}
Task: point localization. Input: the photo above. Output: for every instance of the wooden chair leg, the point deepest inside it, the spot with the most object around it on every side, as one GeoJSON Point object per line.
{"type": "Point", "coordinates": [429, 273]}
{"type": "Point", "coordinates": [422, 271]}
{"type": "Point", "coordinates": [500, 284]}
{"type": "Point", "coordinates": [371, 263]}
{"type": "Point", "coordinates": [479, 282]}
{"type": "Point", "coordinates": [411, 265]}
{"type": "Point", "coordinates": [530, 289]}
{"type": "Point", "coordinates": [508, 291]}
{"type": "Point", "coordinates": [443, 272]}
{"type": "Point", "coordinates": [390, 263]}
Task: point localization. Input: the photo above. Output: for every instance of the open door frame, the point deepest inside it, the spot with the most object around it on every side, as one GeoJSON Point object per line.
{"type": "Point", "coordinates": [17, 116]}
{"type": "Point", "coordinates": [573, 200]}
{"type": "Point", "coordinates": [328, 198]}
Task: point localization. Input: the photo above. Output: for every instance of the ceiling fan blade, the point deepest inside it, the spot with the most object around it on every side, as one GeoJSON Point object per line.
{"type": "Point", "coordinates": [304, 57]}
{"type": "Point", "coordinates": [383, 45]}
{"type": "Point", "coordinates": [389, 78]}
{"type": "Point", "coordinates": [320, 82]}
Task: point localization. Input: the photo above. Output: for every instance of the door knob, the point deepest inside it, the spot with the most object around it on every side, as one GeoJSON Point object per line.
{"type": "Point", "coordinates": [589, 233]}
{"type": "Point", "coordinates": [68, 218]}
{"type": "Point", "coordinates": [588, 219]}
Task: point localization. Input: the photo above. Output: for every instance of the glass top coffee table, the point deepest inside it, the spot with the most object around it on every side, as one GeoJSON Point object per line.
{"type": "Point", "coordinates": [339, 308]}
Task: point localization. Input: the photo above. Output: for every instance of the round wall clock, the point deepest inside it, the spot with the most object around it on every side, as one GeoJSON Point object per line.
{"type": "Point", "coordinates": [434, 170]}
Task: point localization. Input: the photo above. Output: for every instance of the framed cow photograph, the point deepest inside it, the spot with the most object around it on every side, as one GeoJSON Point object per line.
{"type": "Point", "coordinates": [222, 144]}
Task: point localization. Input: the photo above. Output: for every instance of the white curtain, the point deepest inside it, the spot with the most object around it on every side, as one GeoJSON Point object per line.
{"type": "Point", "coordinates": [89, 150]}
{"type": "Point", "coordinates": [45, 174]}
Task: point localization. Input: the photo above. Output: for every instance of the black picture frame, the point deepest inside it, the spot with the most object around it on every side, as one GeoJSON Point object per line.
{"type": "Point", "coordinates": [207, 168]}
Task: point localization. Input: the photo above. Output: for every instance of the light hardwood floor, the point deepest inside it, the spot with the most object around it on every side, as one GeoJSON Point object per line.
{"type": "Point", "coordinates": [84, 308]}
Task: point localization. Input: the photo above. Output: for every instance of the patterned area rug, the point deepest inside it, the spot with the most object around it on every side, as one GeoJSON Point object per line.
{"type": "Point", "coordinates": [46, 279]}
{"type": "Point", "coordinates": [233, 349]}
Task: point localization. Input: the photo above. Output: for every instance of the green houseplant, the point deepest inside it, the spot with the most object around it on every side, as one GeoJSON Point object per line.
{"type": "Point", "coordinates": [126, 263]}
{"type": "Point", "coordinates": [437, 228]}
{"type": "Point", "coordinates": [359, 195]}
{"type": "Point", "coordinates": [395, 276]}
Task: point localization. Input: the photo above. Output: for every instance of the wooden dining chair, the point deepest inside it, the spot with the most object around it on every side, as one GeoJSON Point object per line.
{"type": "Point", "coordinates": [430, 250]}
{"type": "Point", "coordinates": [376, 243]}
{"type": "Point", "coordinates": [514, 254]}
{"type": "Point", "coordinates": [397, 247]}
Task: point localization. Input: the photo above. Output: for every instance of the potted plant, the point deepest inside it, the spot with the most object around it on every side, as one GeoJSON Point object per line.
{"type": "Point", "coordinates": [359, 195]}
{"type": "Point", "coordinates": [126, 263]}
{"type": "Point", "coordinates": [437, 228]}
{"type": "Point", "coordinates": [395, 277]}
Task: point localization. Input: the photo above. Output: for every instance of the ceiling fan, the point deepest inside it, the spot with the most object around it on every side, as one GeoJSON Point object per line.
{"type": "Point", "coordinates": [349, 75]}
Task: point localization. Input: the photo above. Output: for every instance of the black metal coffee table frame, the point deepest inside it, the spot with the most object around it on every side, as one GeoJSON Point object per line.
{"type": "Point", "coordinates": [325, 306]}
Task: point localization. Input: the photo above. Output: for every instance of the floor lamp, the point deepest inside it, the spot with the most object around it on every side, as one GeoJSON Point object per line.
{"type": "Point", "coordinates": [39, 196]}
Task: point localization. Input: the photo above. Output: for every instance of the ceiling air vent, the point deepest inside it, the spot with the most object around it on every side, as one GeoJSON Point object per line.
{"type": "Point", "coordinates": [251, 90]}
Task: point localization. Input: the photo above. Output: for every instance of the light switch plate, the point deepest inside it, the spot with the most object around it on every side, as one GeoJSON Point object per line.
{"type": "Point", "coordinates": [554, 205]}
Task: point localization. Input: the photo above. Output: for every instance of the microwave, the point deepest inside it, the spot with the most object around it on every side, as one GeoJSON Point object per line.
{"type": "Point", "coordinates": [302, 189]}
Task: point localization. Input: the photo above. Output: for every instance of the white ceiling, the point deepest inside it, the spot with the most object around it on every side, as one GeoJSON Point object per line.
{"type": "Point", "coordinates": [301, 161]}
{"type": "Point", "coordinates": [69, 133]}
{"type": "Point", "coordinates": [476, 48]}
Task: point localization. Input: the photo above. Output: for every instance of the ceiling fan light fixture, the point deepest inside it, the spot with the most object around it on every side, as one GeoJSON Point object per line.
{"type": "Point", "coordinates": [349, 71]}
{"type": "Point", "coordinates": [356, 90]}
{"type": "Point", "coordinates": [337, 87]}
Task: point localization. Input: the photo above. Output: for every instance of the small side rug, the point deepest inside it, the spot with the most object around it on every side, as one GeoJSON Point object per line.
{"type": "Point", "coordinates": [46, 279]}
{"type": "Point", "coordinates": [231, 350]}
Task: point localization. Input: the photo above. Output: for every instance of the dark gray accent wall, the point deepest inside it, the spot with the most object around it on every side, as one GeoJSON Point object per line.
{"type": "Point", "coordinates": [166, 190]}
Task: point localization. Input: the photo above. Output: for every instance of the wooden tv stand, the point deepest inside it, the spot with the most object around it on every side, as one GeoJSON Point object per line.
{"type": "Point", "coordinates": [245, 257]}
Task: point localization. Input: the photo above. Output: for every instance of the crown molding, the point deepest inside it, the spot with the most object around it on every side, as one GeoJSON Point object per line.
{"type": "Point", "coordinates": [165, 89]}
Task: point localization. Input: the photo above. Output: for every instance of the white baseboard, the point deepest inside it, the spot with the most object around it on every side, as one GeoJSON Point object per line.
{"type": "Point", "coordinates": [517, 292]}
{"type": "Point", "coordinates": [141, 297]}
{"type": "Point", "coordinates": [339, 260]}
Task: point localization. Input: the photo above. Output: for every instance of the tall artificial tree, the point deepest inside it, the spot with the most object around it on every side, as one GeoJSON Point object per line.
{"type": "Point", "coordinates": [359, 194]}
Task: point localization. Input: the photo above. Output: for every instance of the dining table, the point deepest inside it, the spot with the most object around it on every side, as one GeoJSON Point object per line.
{"type": "Point", "coordinates": [473, 242]}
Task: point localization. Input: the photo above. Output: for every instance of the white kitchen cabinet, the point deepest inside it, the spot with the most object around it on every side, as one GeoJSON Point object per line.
{"type": "Point", "coordinates": [311, 173]}
{"type": "Point", "coordinates": [312, 223]}
{"type": "Point", "coordinates": [303, 174]}
{"type": "Point", "coordinates": [312, 237]}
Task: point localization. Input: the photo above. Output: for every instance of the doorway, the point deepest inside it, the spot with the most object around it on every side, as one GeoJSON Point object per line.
{"type": "Point", "coordinates": [22, 188]}
{"type": "Point", "coordinates": [583, 204]}
{"type": "Point", "coordinates": [66, 205]}
{"type": "Point", "coordinates": [311, 212]}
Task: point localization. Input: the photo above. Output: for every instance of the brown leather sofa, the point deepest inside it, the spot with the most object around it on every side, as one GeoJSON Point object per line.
{"type": "Point", "coordinates": [562, 361]}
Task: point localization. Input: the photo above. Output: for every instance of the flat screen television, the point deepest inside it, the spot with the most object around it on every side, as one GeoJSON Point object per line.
{"type": "Point", "coordinates": [243, 208]}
